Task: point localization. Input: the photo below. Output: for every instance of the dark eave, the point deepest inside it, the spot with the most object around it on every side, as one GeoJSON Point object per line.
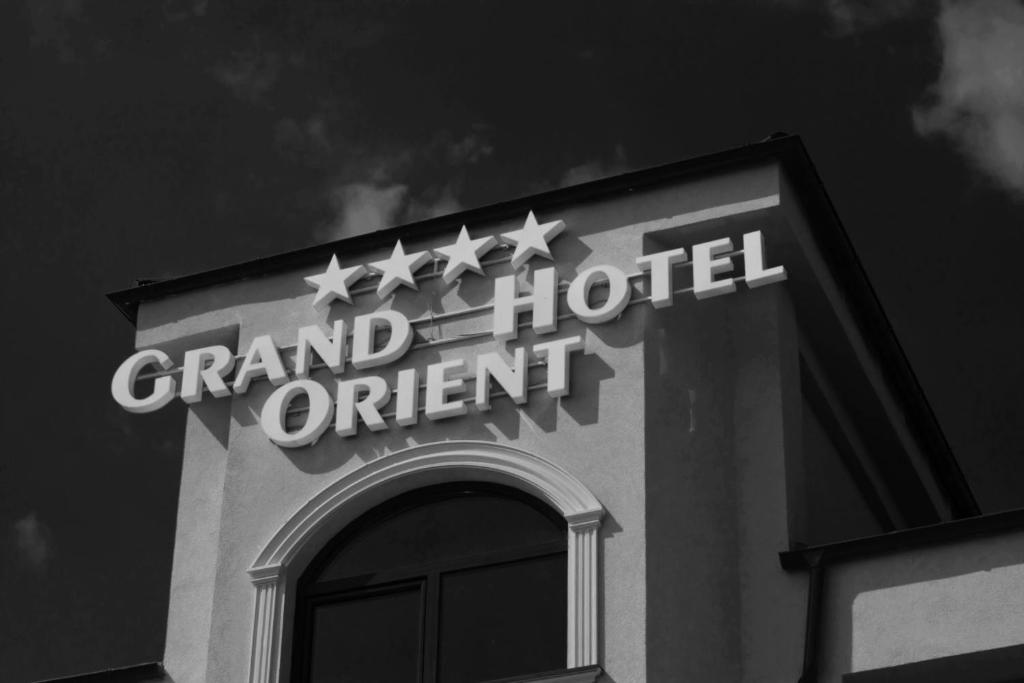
{"type": "Point", "coordinates": [788, 150]}
{"type": "Point", "coordinates": [838, 252]}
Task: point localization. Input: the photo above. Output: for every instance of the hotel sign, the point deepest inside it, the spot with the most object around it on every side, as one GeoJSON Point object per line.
{"type": "Point", "coordinates": [441, 387]}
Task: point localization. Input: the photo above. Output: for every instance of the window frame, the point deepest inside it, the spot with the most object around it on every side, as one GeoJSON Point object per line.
{"type": "Point", "coordinates": [273, 572]}
{"type": "Point", "coordinates": [426, 575]}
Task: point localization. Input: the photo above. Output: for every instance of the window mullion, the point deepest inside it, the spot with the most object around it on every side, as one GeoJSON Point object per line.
{"type": "Point", "coordinates": [431, 626]}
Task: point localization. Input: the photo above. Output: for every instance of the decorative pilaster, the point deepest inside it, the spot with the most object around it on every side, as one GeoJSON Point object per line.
{"type": "Point", "coordinates": [582, 584]}
{"type": "Point", "coordinates": [266, 631]}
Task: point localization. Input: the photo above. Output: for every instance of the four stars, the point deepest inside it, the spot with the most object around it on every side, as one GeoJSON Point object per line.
{"type": "Point", "coordinates": [464, 254]}
{"type": "Point", "coordinates": [533, 239]}
{"type": "Point", "coordinates": [333, 283]}
{"type": "Point", "coordinates": [399, 269]}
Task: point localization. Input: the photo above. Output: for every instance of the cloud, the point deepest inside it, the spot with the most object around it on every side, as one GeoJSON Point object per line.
{"type": "Point", "coordinates": [978, 101]}
{"type": "Point", "coordinates": [470, 149]}
{"type": "Point", "coordinates": [853, 15]}
{"type": "Point", "coordinates": [364, 207]}
{"type": "Point", "coordinates": [595, 169]}
{"type": "Point", "coordinates": [367, 207]}
{"type": "Point", "coordinates": [32, 539]}
{"type": "Point", "coordinates": [850, 16]}
{"type": "Point", "coordinates": [379, 191]}
{"type": "Point", "coordinates": [250, 73]}
{"type": "Point", "coordinates": [437, 202]}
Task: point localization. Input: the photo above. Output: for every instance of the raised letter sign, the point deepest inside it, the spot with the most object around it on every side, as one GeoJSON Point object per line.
{"type": "Point", "coordinates": [261, 359]}
{"type": "Point", "coordinates": [311, 338]}
{"type": "Point", "coordinates": [510, 378]}
{"type": "Point", "coordinates": [364, 335]}
{"type": "Point", "coordinates": [706, 265]}
{"type": "Point", "coordinates": [556, 354]}
{"type": "Point", "coordinates": [439, 385]}
{"type": "Point", "coordinates": [368, 407]}
{"type": "Point", "coordinates": [753, 262]}
{"type": "Point", "coordinates": [661, 266]}
{"type": "Point", "coordinates": [123, 385]}
{"type": "Point", "coordinates": [579, 294]}
{"type": "Point", "coordinates": [196, 373]}
{"type": "Point", "coordinates": [274, 416]}
{"type": "Point", "coordinates": [542, 302]}
{"type": "Point", "coordinates": [407, 397]}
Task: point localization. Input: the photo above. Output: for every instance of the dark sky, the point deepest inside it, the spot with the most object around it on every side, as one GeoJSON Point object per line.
{"type": "Point", "coordinates": [148, 139]}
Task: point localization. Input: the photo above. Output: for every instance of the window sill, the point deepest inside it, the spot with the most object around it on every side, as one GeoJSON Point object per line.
{"type": "Point", "coordinates": [583, 674]}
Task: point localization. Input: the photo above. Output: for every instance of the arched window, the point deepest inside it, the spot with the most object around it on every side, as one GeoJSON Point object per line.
{"type": "Point", "coordinates": [453, 583]}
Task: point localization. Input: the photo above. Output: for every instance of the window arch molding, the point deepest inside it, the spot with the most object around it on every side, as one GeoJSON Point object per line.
{"type": "Point", "coordinates": [284, 557]}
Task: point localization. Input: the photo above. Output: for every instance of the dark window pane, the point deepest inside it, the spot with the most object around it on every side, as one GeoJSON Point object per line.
{"type": "Point", "coordinates": [461, 525]}
{"type": "Point", "coordinates": [369, 639]}
{"type": "Point", "coordinates": [490, 567]}
{"type": "Point", "coordinates": [503, 620]}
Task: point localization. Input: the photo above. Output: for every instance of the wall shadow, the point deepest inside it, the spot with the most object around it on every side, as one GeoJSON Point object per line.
{"type": "Point", "coordinates": [583, 402]}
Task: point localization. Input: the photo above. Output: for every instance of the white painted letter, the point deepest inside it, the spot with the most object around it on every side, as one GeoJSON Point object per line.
{"type": "Point", "coordinates": [122, 386]}
{"type": "Point", "coordinates": [511, 379]}
{"type": "Point", "coordinates": [706, 266]}
{"type": "Point", "coordinates": [407, 397]}
{"type": "Point", "coordinates": [261, 359]}
{"type": "Point", "coordinates": [439, 386]}
{"type": "Point", "coordinates": [579, 294]}
{"type": "Point", "coordinates": [542, 302]}
{"type": "Point", "coordinates": [368, 407]}
{"type": "Point", "coordinates": [196, 373]}
{"type": "Point", "coordinates": [556, 354]}
{"type": "Point", "coordinates": [364, 336]}
{"type": "Point", "coordinates": [753, 262]}
{"type": "Point", "coordinates": [311, 338]}
{"type": "Point", "coordinates": [661, 266]}
{"type": "Point", "coordinates": [274, 416]}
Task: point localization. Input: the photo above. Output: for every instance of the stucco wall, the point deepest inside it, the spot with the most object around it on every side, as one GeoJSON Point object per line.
{"type": "Point", "coordinates": [923, 604]}
{"type": "Point", "coordinates": [720, 429]}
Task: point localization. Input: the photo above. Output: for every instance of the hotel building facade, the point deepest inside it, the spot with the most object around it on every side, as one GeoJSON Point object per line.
{"type": "Point", "coordinates": [651, 428]}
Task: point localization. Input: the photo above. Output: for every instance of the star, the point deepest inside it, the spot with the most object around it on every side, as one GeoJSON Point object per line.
{"type": "Point", "coordinates": [399, 269]}
{"type": "Point", "coordinates": [333, 283]}
{"type": "Point", "coordinates": [464, 255]}
{"type": "Point", "coordinates": [532, 240]}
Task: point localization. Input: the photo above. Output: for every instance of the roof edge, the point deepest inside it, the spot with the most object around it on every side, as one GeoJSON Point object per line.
{"type": "Point", "coordinates": [125, 674]}
{"type": "Point", "coordinates": [904, 540]}
{"type": "Point", "coordinates": [776, 146]}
